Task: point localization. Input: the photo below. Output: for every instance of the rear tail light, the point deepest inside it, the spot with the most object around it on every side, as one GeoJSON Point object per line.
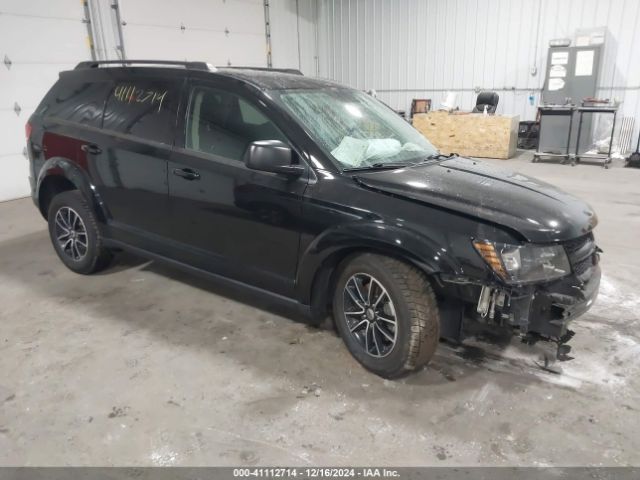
{"type": "Point", "coordinates": [27, 130]}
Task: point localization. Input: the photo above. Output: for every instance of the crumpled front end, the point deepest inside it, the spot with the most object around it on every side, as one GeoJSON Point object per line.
{"type": "Point", "coordinates": [540, 311]}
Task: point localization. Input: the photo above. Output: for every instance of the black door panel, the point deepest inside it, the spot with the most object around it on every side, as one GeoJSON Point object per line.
{"type": "Point", "coordinates": [130, 156]}
{"type": "Point", "coordinates": [132, 181]}
{"type": "Point", "coordinates": [244, 221]}
{"type": "Point", "coordinates": [239, 222]}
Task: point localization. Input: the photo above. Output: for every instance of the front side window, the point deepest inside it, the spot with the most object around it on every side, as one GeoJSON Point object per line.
{"type": "Point", "coordinates": [357, 130]}
{"type": "Point", "coordinates": [224, 124]}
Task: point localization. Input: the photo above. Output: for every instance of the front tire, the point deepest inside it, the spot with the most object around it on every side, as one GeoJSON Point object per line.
{"type": "Point", "coordinates": [387, 314]}
{"type": "Point", "coordinates": [74, 232]}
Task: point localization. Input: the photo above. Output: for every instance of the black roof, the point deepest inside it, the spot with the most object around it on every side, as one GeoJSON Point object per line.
{"type": "Point", "coordinates": [275, 80]}
{"type": "Point", "coordinates": [260, 77]}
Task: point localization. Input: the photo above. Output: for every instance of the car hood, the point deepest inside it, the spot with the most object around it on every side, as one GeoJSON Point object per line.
{"type": "Point", "coordinates": [538, 211]}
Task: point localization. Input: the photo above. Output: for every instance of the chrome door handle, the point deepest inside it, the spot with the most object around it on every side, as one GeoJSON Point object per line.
{"type": "Point", "coordinates": [186, 173]}
{"type": "Point", "coordinates": [91, 148]}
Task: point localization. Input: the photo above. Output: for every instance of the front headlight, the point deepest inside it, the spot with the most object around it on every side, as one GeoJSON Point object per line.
{"type": "Point", "coordinates": [524, 263]}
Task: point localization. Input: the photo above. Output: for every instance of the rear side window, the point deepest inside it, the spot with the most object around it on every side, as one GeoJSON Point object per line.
{"type": "Point", "coordinates": [145, 109]}
{"type": "Point", "coordinates": [224, 124]}
{"type": "Point", "coordinates": [76, 100]}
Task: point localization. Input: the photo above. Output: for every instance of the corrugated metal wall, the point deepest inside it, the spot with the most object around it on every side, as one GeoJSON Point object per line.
{"type": "Point", "coordinates": [422, 48]}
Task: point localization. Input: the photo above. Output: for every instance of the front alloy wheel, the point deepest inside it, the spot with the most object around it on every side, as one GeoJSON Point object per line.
{"type": "Point", "coordinates": [386, 313]}
{"type": "Point", "coordinates": [370, 314]}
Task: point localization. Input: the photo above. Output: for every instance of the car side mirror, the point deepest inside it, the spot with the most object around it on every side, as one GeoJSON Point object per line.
{"type": "Point", "coordinates": [272, 156]}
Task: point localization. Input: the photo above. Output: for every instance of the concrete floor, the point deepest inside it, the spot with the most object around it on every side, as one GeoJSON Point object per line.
{"type": "Point", "coordinates": [144, 365]}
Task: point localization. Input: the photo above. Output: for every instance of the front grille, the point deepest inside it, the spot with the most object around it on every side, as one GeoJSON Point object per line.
{"type": "Point", "coordinates": [583, 265]}
{"type": "Point", "coordinates": [576, 244]}
{"type": "Point", "coordinates": [581, 252]}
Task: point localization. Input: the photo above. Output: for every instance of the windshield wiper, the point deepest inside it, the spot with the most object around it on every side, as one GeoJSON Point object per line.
{"type": "Point", "coordinates": [379, 166]}
{"type": "Point", "coordinates": [441, 156]}
{"type": "Point", "coordinates": [435, 156]}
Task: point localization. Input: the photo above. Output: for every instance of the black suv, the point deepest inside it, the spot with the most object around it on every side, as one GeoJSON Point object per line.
{"type": "Point", "coordinates": [313, 192]}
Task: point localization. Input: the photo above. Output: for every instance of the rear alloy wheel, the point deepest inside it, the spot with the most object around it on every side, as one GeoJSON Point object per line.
{"type": "Point", "coordinates": [71, 234]}
{"type": "Point", "coordinates": [75, 235]}
{"type": "Point", "coordinates": [387, 314]}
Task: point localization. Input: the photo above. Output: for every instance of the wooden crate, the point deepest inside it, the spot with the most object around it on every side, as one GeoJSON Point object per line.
{"type": "Point", "coordinates": [472, 134]}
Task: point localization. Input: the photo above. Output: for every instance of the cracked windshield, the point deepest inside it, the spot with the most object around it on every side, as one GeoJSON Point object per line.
{"type": "Point", "coordinates": [356, 129]}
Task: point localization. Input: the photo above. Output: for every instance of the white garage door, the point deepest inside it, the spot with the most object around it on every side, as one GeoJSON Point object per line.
{"type": "Point", "coordinates": [215, 31]}
{"type": "Point", "coordinates": [30, 66]}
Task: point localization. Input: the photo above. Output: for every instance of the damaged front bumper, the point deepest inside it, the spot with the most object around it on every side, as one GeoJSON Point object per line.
{"type": "Point", "coordinates": [536, 311]}
{"type": "Point", "coordinates": [545, 310]}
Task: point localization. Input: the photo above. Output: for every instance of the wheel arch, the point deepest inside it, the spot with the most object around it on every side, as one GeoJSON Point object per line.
{"type": "Point", "coordinates": [320, 264]}
{"type": "Point", "coordinates": [58, 175]}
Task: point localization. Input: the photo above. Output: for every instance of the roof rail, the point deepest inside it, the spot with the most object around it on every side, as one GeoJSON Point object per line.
{"type": "Point", "coordinates": [292, 71]}
{"type": "Point", "coordinates": [188, 65]}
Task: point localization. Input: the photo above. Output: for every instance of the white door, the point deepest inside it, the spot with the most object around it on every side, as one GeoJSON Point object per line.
{"type": "Point", "coordinates": [215, 31]}
{"type": "Point", "coordinates": [38, 39]}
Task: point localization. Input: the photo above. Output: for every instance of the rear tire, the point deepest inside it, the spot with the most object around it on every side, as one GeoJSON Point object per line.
{"type": "Point", "coordinates": [371, 292]}
{"type": "Point", "coordinates": [74, 233]}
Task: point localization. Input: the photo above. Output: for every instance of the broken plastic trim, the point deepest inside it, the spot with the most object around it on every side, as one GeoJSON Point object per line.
{"type": "Point", "coordinates": [562, 349]}
{"type": "Point", "coordinates": [484, 301]}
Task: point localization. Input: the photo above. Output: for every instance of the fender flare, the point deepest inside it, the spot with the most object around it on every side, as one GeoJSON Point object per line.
{"type": "Point", "coordinates": [339, 241]}
{"type": "Point", "coordinates": [63, 167]}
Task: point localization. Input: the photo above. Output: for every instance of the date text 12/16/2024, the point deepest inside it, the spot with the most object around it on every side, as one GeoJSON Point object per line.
{"type": "Point", "coordinates": [309, 472]}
